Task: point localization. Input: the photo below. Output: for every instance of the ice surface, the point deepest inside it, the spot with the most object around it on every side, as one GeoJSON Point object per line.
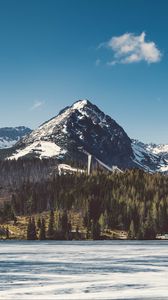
{"type": "Point", "coordinates": [84, 270]}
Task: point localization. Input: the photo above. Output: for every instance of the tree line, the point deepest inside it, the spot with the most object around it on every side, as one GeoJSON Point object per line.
{"type": "Point", "coordinates": [59, 228]}
{"type": "Point", "coordinates": [134, 201]}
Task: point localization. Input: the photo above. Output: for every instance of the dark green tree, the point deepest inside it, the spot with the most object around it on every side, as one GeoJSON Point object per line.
{"type": "Point", "coordinates": [51, 231]}
{"type": "Point", "coordinates": [31, 229]}
{"type": "Point", "coordinates": [42, 235]}
{"type": "Point", "coordinates": [7, 233]}
{"type": "Point", "coordinates": [149, 228]}
{"type": "Point", "coordinates": [39, 223]}
{"type": "Point", "coordinates": [95, 230]}
{"type": "Point", "coordinates": [65, 226]}
{"type": "Point", "coordinates": [131, 232]}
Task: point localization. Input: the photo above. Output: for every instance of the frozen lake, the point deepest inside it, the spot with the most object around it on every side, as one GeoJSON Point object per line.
{"type": "Point", "coordinates": [84, 270]}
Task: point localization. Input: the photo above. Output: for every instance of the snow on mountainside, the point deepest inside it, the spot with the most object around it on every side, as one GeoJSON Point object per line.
{"type": "Point", "coordinates": [162, 151]}
{"type": "Point", "coordinates": [78, 129]}
{"type": "Point", "coordinates": [9, 136]}
{"type": "Point", "coordinates": [147, 155]}
{"type": "Point", "coordinates": [83, 128]}
{"type": "Point", "coordinates": [43, 149]}
{"type": "Point", "coordinates": [158, 149]}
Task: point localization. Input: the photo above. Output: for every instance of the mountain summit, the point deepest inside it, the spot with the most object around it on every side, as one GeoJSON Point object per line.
{"type": "Point", "coordinates": [83, 128]}
{"type": "Point", "coordinates": [77, 129]}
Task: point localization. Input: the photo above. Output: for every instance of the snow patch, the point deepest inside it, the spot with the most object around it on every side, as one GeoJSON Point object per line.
{"type": "Point", "coordinates": [44, 149]}
{"type": "Point", "coordinates": [163, 169]}
{"type": "Point", "coordinates": [79, 104]}
{"type": "Point", "coordinates": [158, 149]}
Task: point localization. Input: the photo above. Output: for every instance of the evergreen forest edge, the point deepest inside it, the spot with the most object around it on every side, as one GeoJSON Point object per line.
{"type": "Point", "coordinates": [133, 201]}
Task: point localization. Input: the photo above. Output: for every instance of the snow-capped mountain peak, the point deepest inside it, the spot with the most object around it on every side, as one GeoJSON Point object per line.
{"type": "Point", "coordinates": [47, 128]}
{"type": "Point", "coordinates": [80, 104]}
{"type": "Point", "coordinates": [83, 128]}
{"type": "Point", "coordinates": [79, 128]}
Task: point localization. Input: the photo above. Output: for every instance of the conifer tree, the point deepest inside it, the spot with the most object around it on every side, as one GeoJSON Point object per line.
{"type": "Point", "coordinates": [95, 230]}
{"type": "Point", "coordinates": [131, 233]}
{"type": "Point", "coordinates": [7, 233]}
{"type": "Point", "coordinates": [29, 229]}
{"type": "Point", "coordinates": [149, 228]}
{"type": "Point", "coordinates": [51, 231]}
{"type": "Point", "coordinates": [39, 223]}
{"type": "Point", "coordinates": [64, 223]}
{"type": "Point", "coordinates": [33, 230]}
{"type": "Point", "coordinates": [42, 235]}
{"type": "Point", "coordinates": [77, 234]}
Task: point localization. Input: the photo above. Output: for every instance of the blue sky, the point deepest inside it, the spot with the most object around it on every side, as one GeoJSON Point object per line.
{"type": "Point", "coordinates": [112, 52]}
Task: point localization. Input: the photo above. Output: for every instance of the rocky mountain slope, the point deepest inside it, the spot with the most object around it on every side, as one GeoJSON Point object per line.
{"type": "Point", "coordinates": [9, 136]}
{"type": "Point", "coordinates": [83, 128]}
{"type": "Point", "coordinates": [76, 130]}
{"type": "Point", "coordinates": [151, 157]}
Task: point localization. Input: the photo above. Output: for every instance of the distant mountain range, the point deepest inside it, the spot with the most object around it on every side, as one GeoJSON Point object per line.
{"type": "Point", "coordinates": [83, 129]}
{"type": "Point", "coordinates": [9, 136]}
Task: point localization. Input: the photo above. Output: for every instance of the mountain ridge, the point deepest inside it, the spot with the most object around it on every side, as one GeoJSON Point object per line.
{"type": "Point", "coordinates": [9, 136]}
{"type": "Point", "coordinates": [83, 128]}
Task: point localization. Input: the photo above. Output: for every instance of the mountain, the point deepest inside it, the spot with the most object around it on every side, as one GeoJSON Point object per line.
{"type": "Point", "coordinates": [9, 136]}
{"type": "Point", "coordinates": [76, 130]}
{"type": "Point", "coordinates": [151, 157]}
{"type": "Point", "coordinates": [161, 150]}
{"type": "Point", "coordinates": [83, 129]}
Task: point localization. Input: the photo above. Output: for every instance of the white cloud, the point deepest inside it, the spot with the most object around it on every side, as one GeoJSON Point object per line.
{"type": "Point", "coordinates": [37, 104]}
{"type": "Point", "coordinates": [130, 48]}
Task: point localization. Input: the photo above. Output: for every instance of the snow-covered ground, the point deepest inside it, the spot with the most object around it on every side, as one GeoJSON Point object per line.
{"type": "Point", "coordinates": [44, 149]}
{"type": "Point", "coordinates": [84, 270]}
